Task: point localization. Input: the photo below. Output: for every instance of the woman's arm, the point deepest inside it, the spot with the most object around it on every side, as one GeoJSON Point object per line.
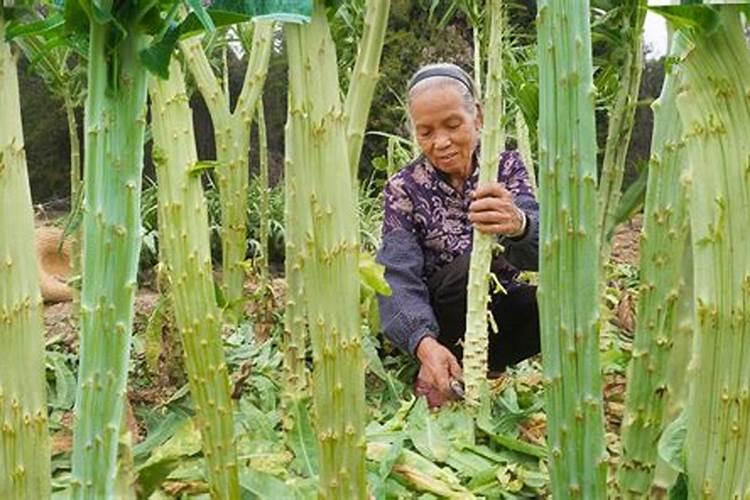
{"type": "Point", "coordinates": [509, 209]}
{"type": "Point", "coordinates": [406, 315]}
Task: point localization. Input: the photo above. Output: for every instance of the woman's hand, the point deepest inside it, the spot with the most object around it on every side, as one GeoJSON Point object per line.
{"type": "Point", "coordinates": [493, 211]}
{"type": "Point", "coordinates": [439, 365]}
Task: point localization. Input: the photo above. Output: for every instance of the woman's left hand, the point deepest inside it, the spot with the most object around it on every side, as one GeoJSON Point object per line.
{"type": "Point", "coordinates": [493, 211]}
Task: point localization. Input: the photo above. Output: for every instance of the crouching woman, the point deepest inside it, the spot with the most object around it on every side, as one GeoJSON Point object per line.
{"type": "Point", "coordinates": [431, 207]}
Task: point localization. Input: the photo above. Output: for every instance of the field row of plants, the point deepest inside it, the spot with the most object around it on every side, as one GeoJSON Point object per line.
{"type": "Point", "coordinates": [234, 378]}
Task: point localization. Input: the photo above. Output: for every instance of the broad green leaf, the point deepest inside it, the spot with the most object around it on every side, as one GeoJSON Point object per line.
{"type": "Point", "coordinates": [680, 489]}
{"type": "Point", "coordinates": [372, 274]}
{"type": "Point", "coordinates": [458, 425]}
{"type": "Point", "coordinates": [156, 56]}
{"type": "Point", "coordinates": [185, 443]}
{"type": "Point", "coordinates": [168, 425]}
{"type": "Point", "coordinates": [256, 423]}
{"type": "Point", "coordinates": [16, 29]}
{"type": "Point", "coordinates": [152, 344]}
{"type": "Point", "coordinates": [672, 442]}
{"type": "Point", "coordinates": [427, 436]}
{"type": "Point", "coordinates": [703, 17]}
{"type": "Point", "coordinates": [196, 6]}
{"type": "Point", "coordinates": [257, 484]}
{"type": "Point", "coordinates": [633, 198]}
{"type": "Point", "coordinates": [372, 359]}
{"type": "Point", "coordinates": [63, 395]}
{"type": "Point", "coordinates": [302, 440]}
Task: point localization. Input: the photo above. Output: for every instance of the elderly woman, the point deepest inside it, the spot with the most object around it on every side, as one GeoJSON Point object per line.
{"type": "Point", "coordinates": [431, 208]}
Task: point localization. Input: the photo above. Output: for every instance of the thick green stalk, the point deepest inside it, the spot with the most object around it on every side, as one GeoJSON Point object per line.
{"type": "Point", "coordinates": [330, 275]}
{"type": "Point", "coordinates": [185, 248]}
{"type": "Point", "coordinates": [568, 289]}
{"type": "Point", "coordinates": [364, 78]}
{"type": "Point", "coordinates": [265, 190]}
{"type": "Point", "coordinates": [663, 238]}
{"type": "Point", "coordinates": [76, 189]}
{"type": "Point", "coordinates": [113, 158]}
{"type": "Point", "coordinates": [232, 135]}
{"type": "Point", "coordinates": [524, 149]}
{"type": "Point", "coordinates": [24, 445]}
{"type": "Point", "coordinates": [715, 112]}
{"type": "Point", "coordinates": [298, 228]}
{"type": "Point", "coordinates": [476, 35]}
{"type": "Point", "coordinates": [677, 379]}
{"type": "Point", "coordinates": [621, 120]}
{"type": "Point", "coordinates": [493, 138]}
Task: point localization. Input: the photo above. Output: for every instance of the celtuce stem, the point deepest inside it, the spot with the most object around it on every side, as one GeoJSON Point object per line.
{"type": "Point", "coordinates": [265, 191]}
{"type": "Point", "coordinates": [185, 249]}
{"type": "Point", "coordinates": [568, 289]}
{"type": "Point", "coordinates": [524, 149]}
{"type": "Point", "coordinates": [715, 113]}
{"type": "Point", "coordinates": [113, 159]}
{"type": "Point", "coordinates": [76, 190]}
{"type": "Point", "coordinates": [476, 341]}
{"type": "Point", "coordinates": [364, 78]}
{"type": "Point", "coordinates": [232, 135]}
{"type": "Point", "coordinates": [24, 443]}
{"type": "Point", "coordinates": [317, 143]}
{"type": "Point", "coordinates": [663, 238]}
{"type": "Point", "coordinates": [621, 120]}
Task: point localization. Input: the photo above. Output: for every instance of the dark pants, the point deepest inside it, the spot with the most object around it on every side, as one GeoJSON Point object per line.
{"type": "Point", "coordinates": [516, 315]}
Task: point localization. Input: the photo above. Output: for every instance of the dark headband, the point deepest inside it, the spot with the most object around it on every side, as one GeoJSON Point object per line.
{"type": "Point", "coordinates": [455, 73]}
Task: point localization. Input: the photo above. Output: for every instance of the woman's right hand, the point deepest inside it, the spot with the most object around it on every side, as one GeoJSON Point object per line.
{"type": "Point", "coordinates": [439, 365]}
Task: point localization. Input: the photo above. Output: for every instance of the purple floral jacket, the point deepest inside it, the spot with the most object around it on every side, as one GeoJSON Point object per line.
{"type": "Point", "coordinates": [426, 226]}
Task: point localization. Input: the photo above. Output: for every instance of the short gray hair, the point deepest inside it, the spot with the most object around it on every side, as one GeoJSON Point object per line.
{"type": "Point", "coordinates": [443, 75]}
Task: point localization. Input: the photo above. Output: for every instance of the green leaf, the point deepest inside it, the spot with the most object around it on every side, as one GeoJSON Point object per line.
{"type": "Point", "coordinates": [372, 359]}
{"type": "Point", "coordinates": [372, 274]}
{"type": "Point", "coordinates": [427, 436]}
{"type": "Point", "coordinates": [63, 395]}
{"type": "Point", "coordinates": [672, 442]}
{"type": "Point", "coordinates": [156, 57]}
{"type": "Point", "coordinates": [634, 197]}
{"type": "Point", "coordinates": [152, 334]}
{"type": "Point", "coordinates": [679, 491]}
{"type": "Point", "coordinates": [201, 166]}
{"type": "Point", "coordinates": [257, 484]}
{"type": "Point", "coordinates": [200, 12]}
{"type": "Point", "coordinates": [703, 17]}
{"type": "Point", "coordinates": [186, 442]}
{"type": "Point", "coordinates": [302, 440]}
{"type": "Point", "coordinates": [76, 18]}
{"type": "Point", "coordinates": [168, 425]}
{"type": "Point", "coordinates": [15, 29]}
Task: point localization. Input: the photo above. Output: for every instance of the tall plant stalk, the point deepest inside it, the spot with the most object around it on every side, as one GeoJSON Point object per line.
{"type": "Point", "coordinates": [364, 79]}
{"type": "Point", "coordinates": [185, 248]}
{"type": "Point", "coordinates": [524, 149]}
{"type": "Point", "coordinates": [113, 156]}
{"type": "Point", "coordinates": [663, 238]}
{"type": "Point", "coordinates": [493, 138]}
{"type": "Point", "coordinates": [24, 443]}
{"type": "Point", "coordinates": [621, 120]}
{"type": "Point", "coordinates": [53, 65]}
{"type": "Point", "coordinates": [715, 112]}
{"type": "Point", "coordinates": [568, 289]}
{"type": "Point", "coordinates": [316, 143]}
{"type": "Point", "coordinates": [297, 182]}
{"type": "Point", "coordinates": [232, 135]}
{"type": "Point", "coordinates": [265, 190]}
{"type": "Point", "coordinates": [76, 191]}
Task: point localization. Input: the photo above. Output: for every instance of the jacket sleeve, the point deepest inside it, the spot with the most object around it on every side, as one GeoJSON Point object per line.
{"type": "Point", "coordinates": [523, 251]}
{"type": "Point", "coordinates": [406, 315]}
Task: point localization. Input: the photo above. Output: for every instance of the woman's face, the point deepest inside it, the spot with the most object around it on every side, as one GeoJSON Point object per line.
{"type": "Point", "coordinates": [446, 132]}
